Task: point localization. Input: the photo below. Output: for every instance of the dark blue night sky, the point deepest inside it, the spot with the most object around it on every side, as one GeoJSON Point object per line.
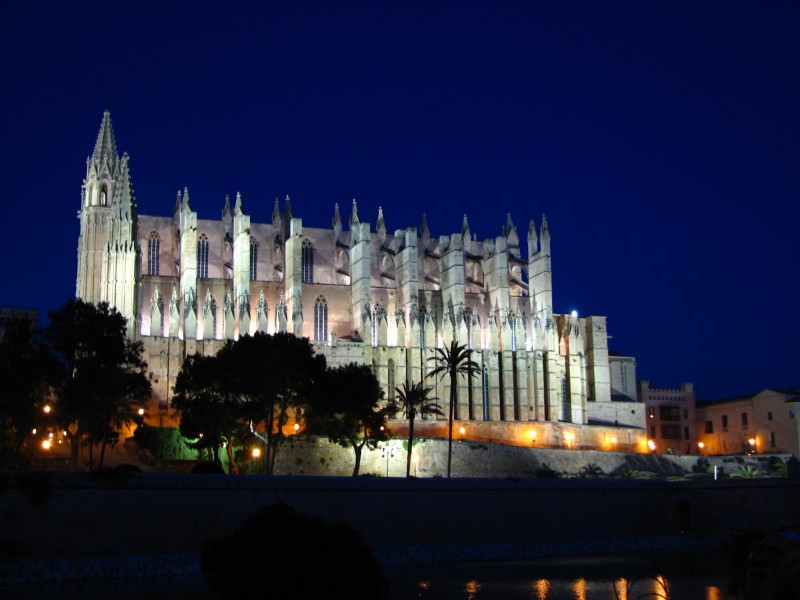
{"type": "Point", "coordinates": [662, 140]}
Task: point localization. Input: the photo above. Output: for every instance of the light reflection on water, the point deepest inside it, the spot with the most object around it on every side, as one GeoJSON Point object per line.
{"type": "Point", "coordinates": [692, 577]}
{"type": "Point", "coordinates": [700, 577]}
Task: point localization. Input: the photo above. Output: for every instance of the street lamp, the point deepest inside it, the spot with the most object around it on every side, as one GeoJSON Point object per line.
{"type": "Point", "coordinates": [533, 437]}
{"type": "Point", "coordinates": [753, 445]}
{"type": "Point", "coordinates": [702, 447]}
{"type": "Point", "coordinates": [614, 443]}
{"type": "Point", "coordinates": [387, 452]}
{"type": "Point", "coordinates": [570, 437]}
{"type": "Point", "coordinates": [415, 460]}
{"type": "Point", "coordinates": [462, 431]}
{"type": "Point", "coordinates": [652, 445]}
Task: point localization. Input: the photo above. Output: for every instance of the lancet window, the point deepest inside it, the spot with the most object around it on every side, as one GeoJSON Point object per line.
{"type": "Point", "coordinates": [308, 261]}
{"type": "Point", "coordinates": [153, 250]}
{"type": "Point", "coordinates": [321, 319]}
{"type": "Point", "coordinates": [253, 259]}
{"type": "Point", "coordinates": [202, 257]}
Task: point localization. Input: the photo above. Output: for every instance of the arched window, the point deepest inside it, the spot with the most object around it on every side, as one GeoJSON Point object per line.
{"type": "Point", "coordinates": [253, 259]}
{"type": "Point", "coordinates": [308, 261]}
{"type": "Point", "coordinates": [153, 249]}
{"type": "Point", "coordinates": [103, 196]}
{"type": "Point", "coordinates": [202, 257]}
{"type": "Point", "coordinates": [321, 319]}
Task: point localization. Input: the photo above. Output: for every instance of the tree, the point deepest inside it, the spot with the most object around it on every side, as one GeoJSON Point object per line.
{"type": "Point", "coordinates": [413, 401]}
{"type": "Point", "coordinates": [348, 410]}
{"type": "Point", "coordinates": [103, 373]}
{"type": "Point", "coordinates": [275, 375]}
{"type": "Point", "coordinates": [453, 361]}
{"type": "Point", "coordinates": [311, 559]}
{"type": "Point", "coordinates": [28, 372]}
{"type": "Point", "coordinates": [211, 413]}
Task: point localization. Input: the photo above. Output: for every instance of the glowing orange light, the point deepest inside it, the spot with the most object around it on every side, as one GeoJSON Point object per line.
{"type": "Point", "coordinates": [579, 589]}
{"type": "Point", "coordinates": [542, 588]}
{"type": "Point", "coordinates": [462, 431]}
{"type": "Point", "coordinates": [652, 445]}
{"type": "Point", "coordinates": [46, 444]}
{"type": "Point", "coordinates": [296, 427]}
{"type": "Point", "coordinates": [141, 411]}
{"type": "Point", "coordinates": [47, 408]}
{"type": "Point", "coordinates": [256, 452]}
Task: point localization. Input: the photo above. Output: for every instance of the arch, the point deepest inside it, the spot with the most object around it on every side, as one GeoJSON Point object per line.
{"type": "Point", "coordinates": [104, 195]}
{"type": "Point", "coordinates": [308, 261]}
{"type": "Point", "coordinates": [202, 256]}
{"type": "Point", "coordinates": [253, 259]}
{"type": "Point", "coordinates": [153, 251]}
{"type": "Point", "coordinates": [321, 319]}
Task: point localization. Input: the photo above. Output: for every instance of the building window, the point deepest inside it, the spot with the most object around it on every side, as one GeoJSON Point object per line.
{"type": "Point", "coordinates": [769, 416]}
{"type": "Point", "coordinates": [202, 257]}
{"type": "Point", "coordinates": [670, 432]}
{"type": "Point", "coordinates": [321, 319]}
{"type": "Point", "coordinates": [253, 259]}
{"type": "Point", "coordinates": [652, 432]}
{"type": "Point", "coordinates": [153, 249]}
{"type": "Point", "coordinates": [686, 433]}
{"type": "Point", "coordinates": [724, 422]}
{"type": "Point", "coordinates": [709, 427]}
{"type": "Point", "coordinates": [744, 420]}
{"type": "Point", "coordinates": [669, 413]}
{"type": "Point", "coordinates": [685, 413]}
{"type": "Point", "coordinates": [771, 439]}
{"type": "Point", "coordinates": [308, 261]}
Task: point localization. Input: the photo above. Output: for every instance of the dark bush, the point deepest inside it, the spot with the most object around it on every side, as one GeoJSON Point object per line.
{"type": "Point", "coordinates": [208, 467]}
{"type": "Point", "coordinates": [288, 556]}
{"type": "Point", "coordinates": [545, 472]}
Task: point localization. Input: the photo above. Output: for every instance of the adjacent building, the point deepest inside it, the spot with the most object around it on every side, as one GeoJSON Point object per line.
{"type": "Point", "coordinates": [764, 422]}
{"type": "Point", "coordinates": [671, 418]}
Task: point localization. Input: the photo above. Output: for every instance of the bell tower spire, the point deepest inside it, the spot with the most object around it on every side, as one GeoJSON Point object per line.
{"type": "Point", "coordinates": [108, 246]}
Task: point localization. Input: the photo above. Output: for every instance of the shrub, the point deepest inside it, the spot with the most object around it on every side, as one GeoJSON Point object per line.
{"type": "Point", "coordinates": [545, 472]}
{"type": "Point", "coordinates": [292, 556]}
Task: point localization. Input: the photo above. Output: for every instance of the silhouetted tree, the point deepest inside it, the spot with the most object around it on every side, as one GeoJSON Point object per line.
{"type": "Point", "coordinates": [348, 410]}
{"type": "Point", "coordinates": [311, 559]}
{"type": "Point", "coordinates": [275, 376]}
{"type": "Point", "coordinates": [453, 361]}
{"type": "Point", "coordinates": [412, 402]}
{"type": "Point", "coordinates": [104, 372]}
{"type": "Point", "coordinates": [28, 372]}
{"type": "Point", "coordinates": [211, 413]}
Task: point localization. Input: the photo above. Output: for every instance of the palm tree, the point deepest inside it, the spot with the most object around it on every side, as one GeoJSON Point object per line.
{"type": "Point", "coordinates": [453, 360]}
{"type": "Point", "coordinates": [413, 401]}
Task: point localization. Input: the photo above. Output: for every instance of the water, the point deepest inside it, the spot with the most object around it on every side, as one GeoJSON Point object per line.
{"type": "Point", "coordinates": [689, 577]}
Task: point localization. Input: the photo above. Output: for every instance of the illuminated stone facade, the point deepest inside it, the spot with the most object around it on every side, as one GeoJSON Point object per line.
{"type": "Point", "coordinates": [380, 297]}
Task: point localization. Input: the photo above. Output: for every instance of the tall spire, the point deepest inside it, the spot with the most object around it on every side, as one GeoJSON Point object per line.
{"type": "Point", "coordinates": [545, 237]}
{"type": "Point", "coordinates": [423, 228]}
{"type": "Point", "coordinates": [226, 210]}
{"type": "Point", "coordinates": [123, 193]}
{"type": "Point", "coordinates": [237, 207]}
{"type": "Point", "coordinates": [105, 147]}
{"type": "Point", "coordinates": [354, 215]}
{"type": "Point", "coordinates": [337, 217]}
{"type": "Point", "coordinates": [381, 222]}
{"type": "Point", "coordinates": [533, 239]}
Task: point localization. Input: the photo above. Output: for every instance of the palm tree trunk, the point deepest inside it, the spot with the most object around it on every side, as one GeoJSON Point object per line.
{"type": "Point", "coordinates": [450, 425]}
{"type": "Point", "coordinates": [410, 446]}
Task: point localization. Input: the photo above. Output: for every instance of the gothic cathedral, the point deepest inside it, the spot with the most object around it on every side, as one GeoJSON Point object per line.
{"type": "Point", "coordinates": [383, 298]}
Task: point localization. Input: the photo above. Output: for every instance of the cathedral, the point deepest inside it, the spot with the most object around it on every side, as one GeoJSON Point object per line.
{"type": "Point", "coordinates": [359, 293]}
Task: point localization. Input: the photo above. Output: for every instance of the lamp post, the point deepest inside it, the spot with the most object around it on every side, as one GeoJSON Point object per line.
{"type": "Point", "coordinates": [753, 445]}
{"type": "Point", "coordinates": [387, 452]}
{"type": "Point", "coordinates": [570, 437]}
{"type": "Point", "coordinates": [702, 447]}
{"type": "Point", "coordinates": [614, 444]}
{"type": "Point", "coordinates": [415, 460]}
{"type": "Point", "coordinates": [533, 437]}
